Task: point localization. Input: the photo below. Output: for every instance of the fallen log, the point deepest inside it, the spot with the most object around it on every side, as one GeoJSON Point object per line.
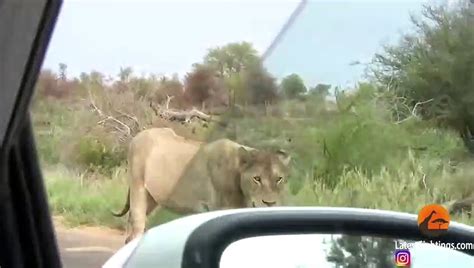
{"type": "Point", "coordinates": [184, 116]}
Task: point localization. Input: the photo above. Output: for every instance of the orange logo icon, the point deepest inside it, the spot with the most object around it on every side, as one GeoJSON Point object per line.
{"type": "Point", "coordinates": [433, 220]}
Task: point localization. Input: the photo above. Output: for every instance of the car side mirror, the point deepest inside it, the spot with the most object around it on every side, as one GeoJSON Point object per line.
{"type": "Point", "coordinates": [271, 237]}
{"type": "Point", "coordinates": [339, 250]}
{"type": "Point", "coordinates": [238, 240]}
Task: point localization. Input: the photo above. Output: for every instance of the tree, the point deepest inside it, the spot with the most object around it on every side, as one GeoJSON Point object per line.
{"type": "Point", "coordinates": [321, 90]}
{"type": "Point", "coordinates": [202, 84]}
{"type": "Point", "coordinates": [47, 84]}
{"type": "Point", "coordinates": [125, 74]}
{"type": "Point", "coordinates": [142, 86]}
{"type": "Point", "coordinates": [170, 88]}
{"type": "Point", "coordinates": [237, 88]}
{"type": "Point", "coordinates": [217, 58]}
{"type": "Point", "coordinates": [293, 86]}
{"type": "Point", "coordinates": [231, 58]}
{"type": "Point", "coordinates": [358, 252]}
{"type": "Point", "coordinates": [96, 78]}
{"type": "Point", "coordinates": [84, 77]}
{"type": "Point", "coordinates": [260, 85]}
{"type": "Point", "coordinates": [230, 61]}
{"type": "Point", "coordinates": [63, 71]}
{"type": "Point", "coordinates": [433, 68]}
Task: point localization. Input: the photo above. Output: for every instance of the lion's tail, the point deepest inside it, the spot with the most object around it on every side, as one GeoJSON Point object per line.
{"type": "Point", "coordinates": [126, 208]}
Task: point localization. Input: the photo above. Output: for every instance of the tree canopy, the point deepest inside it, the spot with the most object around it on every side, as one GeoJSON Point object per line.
{"type": "Point", "coordinates": [231, 58]}
{"type": "Point", "coordinates": [293, 86]}
{"type": "Point", "coordinates": [358, 252]}
{"type": "Point", "coordinates": [433, 68]}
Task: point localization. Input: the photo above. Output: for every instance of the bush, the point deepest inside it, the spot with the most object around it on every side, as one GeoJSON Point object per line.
{"type": "Point", "coordinates": [98, 155]}
{"type": "Point", "coordinates": [92, 132]}
{"type": "Point", "coordinates": [433, 67]}
{"type": "Point", "coordinates": [293, 86]}
{"type": "Point", "coordinates": [406, 190]}
{"type": "Point", "coordinates": [51, 121]}
{"type": "Point", "coordinates": [70, 134]}
{"type": "Point", "coordinates": [364, 139]}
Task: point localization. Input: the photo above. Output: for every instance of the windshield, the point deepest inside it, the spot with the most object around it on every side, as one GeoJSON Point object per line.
{"type": "Point", "coordinates": [154, 110]}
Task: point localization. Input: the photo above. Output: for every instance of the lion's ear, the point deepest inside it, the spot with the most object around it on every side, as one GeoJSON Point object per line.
{"type": "Point", "coordinates": [284, 157]}
{"type": "Point", "coordinates": [246, 155]}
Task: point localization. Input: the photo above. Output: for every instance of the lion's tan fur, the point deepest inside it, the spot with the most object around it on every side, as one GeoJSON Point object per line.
{"type": "Point", "coordinates": [186, 176]}
{"type": "Point", "coordinates": [158, 157]}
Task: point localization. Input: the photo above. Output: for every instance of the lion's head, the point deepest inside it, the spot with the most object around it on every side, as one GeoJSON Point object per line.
{"type": "Point", "coordinates": [263, 176]}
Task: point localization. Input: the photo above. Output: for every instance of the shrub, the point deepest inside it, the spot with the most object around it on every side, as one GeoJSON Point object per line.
{"type": "Point", "coordinates": [363, 139]}
{"type": "Point", "coordinates": [97, 155]}
{"type": "Point", "coordinates": [293, 86]}
{"type": "Point", "coordinates": [433, 67]}
{"type": "Point", "coordinates": [368, 144]}
{"type": "Point", "coordinates": [51, 120]}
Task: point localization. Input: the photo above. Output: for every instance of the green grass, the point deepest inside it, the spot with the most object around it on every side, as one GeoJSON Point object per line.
{"type": "Point", "coordinates": [84, 201]}
{"type": "Point", "coordinates": [407, 190]}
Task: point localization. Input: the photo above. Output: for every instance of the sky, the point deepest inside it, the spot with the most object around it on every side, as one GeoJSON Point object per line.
{"type": "Point", "coordinates": [168, 36]}
{"type": "Point", "coordinates": [158, 36]}
{"type": "Point", "coordinates": [330, 35]}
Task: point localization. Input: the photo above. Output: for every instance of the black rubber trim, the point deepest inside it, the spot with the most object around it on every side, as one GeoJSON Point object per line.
{"type": "Point", "coordinates": [27, 236]}
{"type": "Point", "coordinates": [38, 50]}
{"type": "Point", "coordinates": [206, 244]}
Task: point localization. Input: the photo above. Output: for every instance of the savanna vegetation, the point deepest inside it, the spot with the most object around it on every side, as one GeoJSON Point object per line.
{"type": "Point", "coordinates": [397, 141]}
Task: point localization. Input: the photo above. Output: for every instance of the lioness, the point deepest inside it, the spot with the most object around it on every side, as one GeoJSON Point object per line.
{"type": "Point", "coordinates": [187, 177]}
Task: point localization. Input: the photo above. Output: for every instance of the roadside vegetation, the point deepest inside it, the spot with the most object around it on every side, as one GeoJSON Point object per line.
{"type": "Point", "coordinates": [398, 141]}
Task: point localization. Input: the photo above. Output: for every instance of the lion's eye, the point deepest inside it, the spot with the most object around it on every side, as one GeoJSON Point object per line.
{"type": "Point", "coordinates": [257, 179]}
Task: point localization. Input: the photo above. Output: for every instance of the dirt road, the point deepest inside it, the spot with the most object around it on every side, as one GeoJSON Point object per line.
{"type": "Point", "coordinates": [86, 247]}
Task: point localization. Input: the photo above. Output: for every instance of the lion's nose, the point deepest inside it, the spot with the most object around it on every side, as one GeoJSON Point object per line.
{"type": "Point", "coordinates": [269, 203]}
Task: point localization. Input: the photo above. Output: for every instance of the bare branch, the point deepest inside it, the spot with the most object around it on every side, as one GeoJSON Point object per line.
{"type": "Point", "coordinates": [124, 129]}
{"type": "Point", "coordinates": [185, 116]}
{"type": "Point", "coordinates": [92, 103]}
{"type": "Point", "coordinates": [413, 112]}
{"type": "Point", "coordinates": [110, 118]}
{"type": "Point", "coordinates": [133, 118]}
{"type": "Point", "coordinates": [168, 100]}
{"type": "Point", "coordinates": [390, 82]}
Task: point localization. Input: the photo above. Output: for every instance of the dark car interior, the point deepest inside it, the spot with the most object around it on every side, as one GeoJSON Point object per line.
{"type": "Point", "coordinates": [26, 231]}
